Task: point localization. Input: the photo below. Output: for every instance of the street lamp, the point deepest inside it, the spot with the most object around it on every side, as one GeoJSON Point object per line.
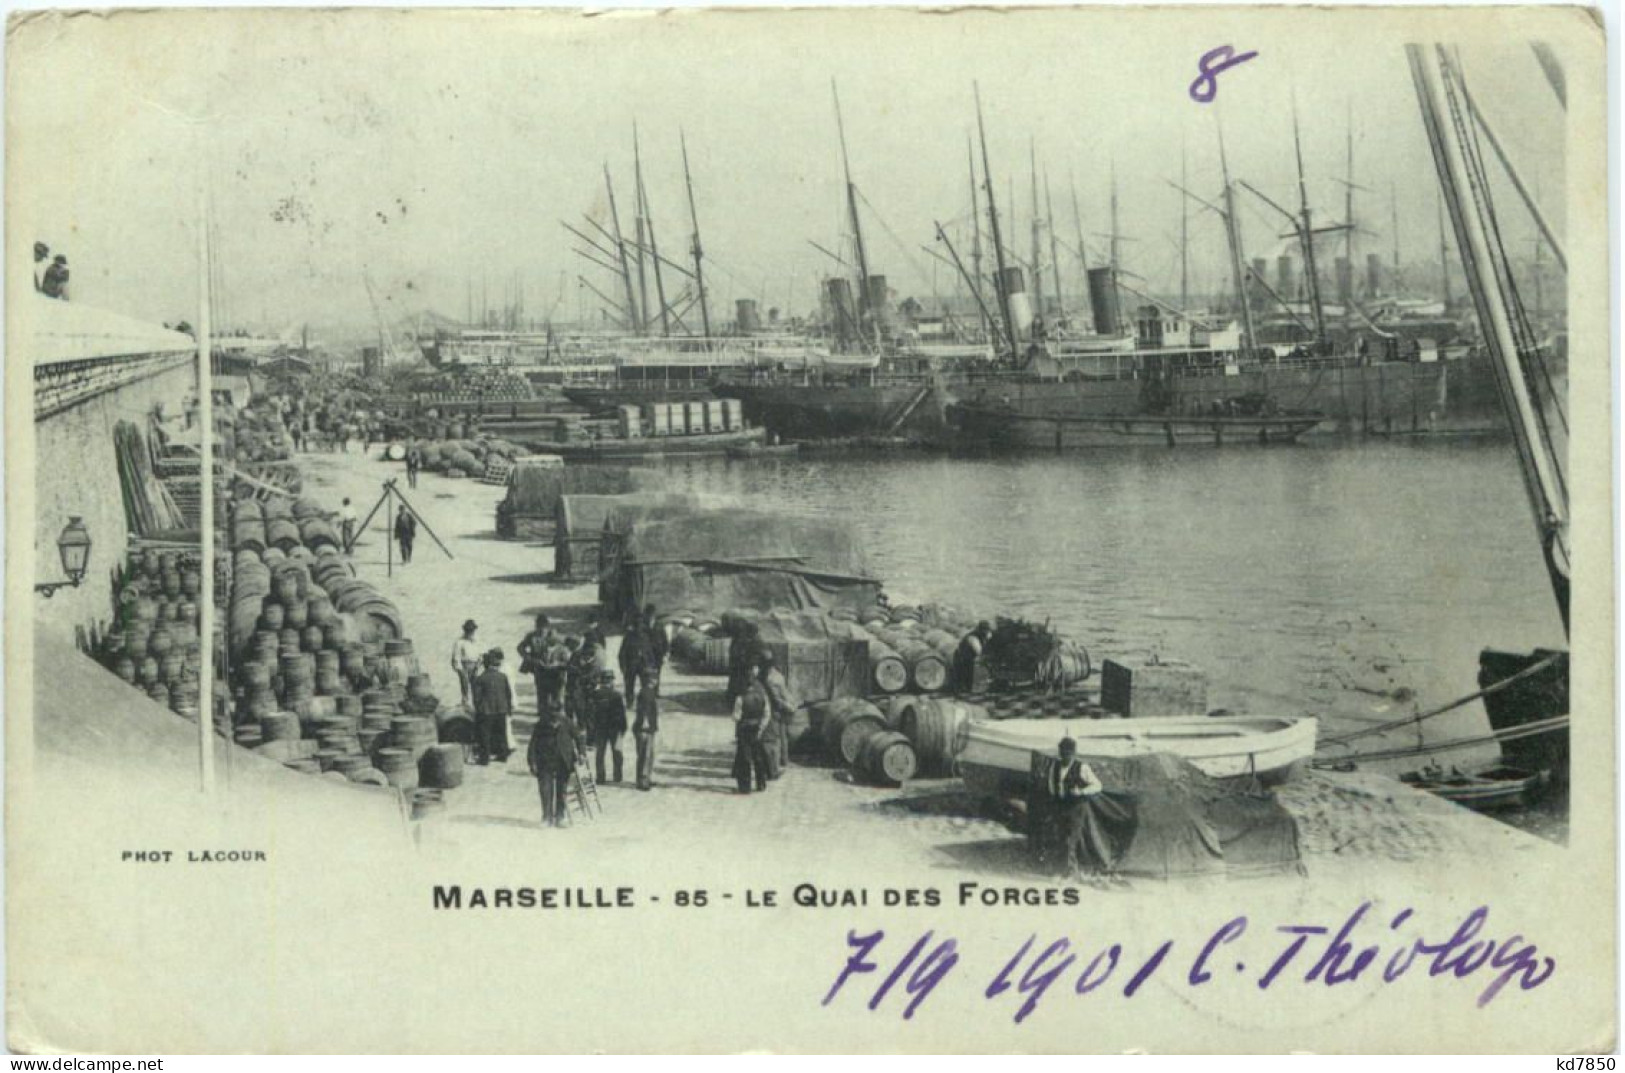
{"type": "Point", "coordinates": [73, 546]}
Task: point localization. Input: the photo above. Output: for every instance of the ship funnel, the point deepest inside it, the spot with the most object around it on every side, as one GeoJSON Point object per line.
{"type": "Point", "coordinates": [879, 300]}
{"type": "Point", "coordinates": [1021, 310]}
{"type": "Point", "coordinates": [1373, 274]}
{"type": "Point", "coordinates": [748, 321]}
{"type": "Point", "coordinates": [1345, 281]}
{"type": "Point", "coordinates": [1103, 300]}
{"type": "Point", "coordinates": [1286, 279]}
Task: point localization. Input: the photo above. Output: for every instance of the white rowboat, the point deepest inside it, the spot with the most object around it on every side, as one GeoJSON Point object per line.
{"type": "Point", "coordinates": [997, 754]}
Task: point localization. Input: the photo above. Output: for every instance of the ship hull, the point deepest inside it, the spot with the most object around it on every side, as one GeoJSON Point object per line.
{"type": "Point", "coordinates": [1455, 396]}
{"type": "Point", "coordinates": [998, 429]}
{"type": "Point", "coordinates": [1385, 398]}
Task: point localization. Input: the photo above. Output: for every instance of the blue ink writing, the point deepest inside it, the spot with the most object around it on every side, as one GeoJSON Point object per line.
{"type": "Point", "coordinates": [1212, 64]}
{"type": "Point", "coordinates": [926, 976]}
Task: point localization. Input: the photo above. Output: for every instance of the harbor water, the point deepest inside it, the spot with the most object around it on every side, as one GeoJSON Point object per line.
{"type": "Point", "coordinates": [1351, 580]}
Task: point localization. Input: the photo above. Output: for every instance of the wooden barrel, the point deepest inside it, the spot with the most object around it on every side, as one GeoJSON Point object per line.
{"type": "Point", "coordinates": [842, 725]}
{"type": "Point", "coordinates": [441, 767]}
{"type": "Point", "coordinates": [937, 727]}
{"type": "Point", "coordinates": [295, 614]}
{"type": "Point", "coordinates": [399, 766]}
{"type": "Point", "coordinates": [885, 756]}
{"type": "Point", "coordinates": [370, 776]}
{"type": "Point", "coordinates": [886, 668]}
{"type": "Point", "coordinates": [927, 671]}
{"type": "Point", "coordinates": [304, 766]}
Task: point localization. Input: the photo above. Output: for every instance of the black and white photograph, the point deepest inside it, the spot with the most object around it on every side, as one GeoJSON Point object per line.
{"type": "Point", "coordinates": [1026, 530]}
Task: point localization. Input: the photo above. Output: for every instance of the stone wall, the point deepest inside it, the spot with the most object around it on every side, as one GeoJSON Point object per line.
{"type": "Point", "coordinates": [76, 472]}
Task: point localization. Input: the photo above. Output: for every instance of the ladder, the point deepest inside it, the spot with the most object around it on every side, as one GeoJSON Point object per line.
{"type": "Point", "coordinates": [581, 795]}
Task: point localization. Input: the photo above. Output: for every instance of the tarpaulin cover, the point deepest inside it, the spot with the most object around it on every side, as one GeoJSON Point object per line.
{"type": "Point", "coordinates": [535, 490]}
{"type": "Point", "coordinates": [1160, 817]}
{"type": "Point", "coordinates": [579, 527]}
{"type": "Point", "coordinates": [718, 560]}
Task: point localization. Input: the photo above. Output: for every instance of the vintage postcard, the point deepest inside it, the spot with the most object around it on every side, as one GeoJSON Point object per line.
{"type": "Point", "coordinates": [1049, 530]}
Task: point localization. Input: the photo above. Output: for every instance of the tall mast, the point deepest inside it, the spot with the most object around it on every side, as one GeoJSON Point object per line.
{"type": "Point", "coordinates": [1077, 224]}
{"type": "Point", "coordinates": [1465, 188]}
{"type": "Point", "coordinates": [638, 230]}
{"type": "Point", "coordinates": [1054, 250]}
{"type": "Point", "coordinates": [1116, 251]}
{"type": "Point", "coordinates": [864, 311]}
{"type": "Point", "coordinates": [1232, 232]}
{"type": "Point", "coordinates": [694, 217]}
{"type": "Point", "coordinates": [1310, 268]}
{"type": "Point", "coordinates": [1038, 271]}
{"type": "Point", "coordinates": [1002, 291]}
{"type": "Point", "coordinates": [649, 221]}
{"type": "Point", "coordinates": [634, 321]}
{"type": "Point", "coordinates": [1184, 238]}
{"type": "Point", "coordinates": [1444, 259]}
{"type": "Point", "coordinates": [1348, 192]}
{"type": "Point", "coordinates": [1393, 213]}
{"type": "Point", "coordinates": [976, 240]}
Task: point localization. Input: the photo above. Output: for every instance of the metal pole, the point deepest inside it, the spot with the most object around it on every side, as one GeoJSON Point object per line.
{"type": "Point", "coordinates": [205, 693]}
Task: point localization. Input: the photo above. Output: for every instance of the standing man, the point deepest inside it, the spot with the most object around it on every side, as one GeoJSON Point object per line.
{"type": "Point", "coordinates": [347, 520]}
{"type": "Point", "coordinates": [414, 462]}
{"type": "Point", "coordinates": [752, 719]}
{"type": "Point", "coordinates": [551, 757]}
{"type": "Point", "coordinates": [1070, 784]}
{"type": "Point", "coordinates": [493, 701]}
{"type": "Point", "coordinates": [644, 729]}
{"type": "Point", "coordinates": [541, 652]}
{"type": "Point", "coordinates": [42, 263]}
{"type": "Point", "coordinates": [465, 661]}
{"type": "Point", "coordinates": [742, 651]}
{"type": "Point", "coordinates": [606, 720]}
{"type": "Point", "coordinates": [781, 705]}
{"type": "Point", "coordinates": [962, 675]}
{"type": "Point", "coordinates": [406, 531]}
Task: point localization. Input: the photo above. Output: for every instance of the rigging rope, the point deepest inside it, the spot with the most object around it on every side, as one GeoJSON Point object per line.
{"type": "Point", "coordinates": [1494, 687]}
{"type": "Point", "coordinates": [1527, 730]}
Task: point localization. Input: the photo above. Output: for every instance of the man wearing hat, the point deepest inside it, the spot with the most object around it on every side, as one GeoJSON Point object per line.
{"type": "Point", "coordinates": [1069, 783]}
{"type": "Point", "coordinates": [493, 701]}
{"type": "Point", "coordinates": [753, 722]}
{"type": "Point", "coordinates": [551, 757]}
{"type": "Point", "coordinates": [465, 661]}
{"type": "Point", "coordinates": [962, 675]}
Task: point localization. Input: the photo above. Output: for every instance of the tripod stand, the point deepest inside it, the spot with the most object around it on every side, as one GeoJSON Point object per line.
{"type": "Point", "coordinates": [392, 492]}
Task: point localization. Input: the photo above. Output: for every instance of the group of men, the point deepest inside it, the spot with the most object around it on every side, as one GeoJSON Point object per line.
{"type": "Point", "coordinates": [50, 273]}
{"type": "Point", "coordinates": [762, 705]}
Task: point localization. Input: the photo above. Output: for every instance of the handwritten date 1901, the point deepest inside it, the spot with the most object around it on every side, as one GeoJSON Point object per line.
{"type": "Point", "coordinates": [1323, 956]}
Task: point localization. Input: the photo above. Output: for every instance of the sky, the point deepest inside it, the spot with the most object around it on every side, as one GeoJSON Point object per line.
{"type": "Point", "coordinates": [421, 155]}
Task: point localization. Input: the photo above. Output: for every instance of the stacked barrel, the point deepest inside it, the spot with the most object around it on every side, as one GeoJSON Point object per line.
{"type": "Point", "coordinates": [892, 742]}
{"type": "Point", "coordinates": [154, 643]}
{"type": "Point", "coordinates": [322, 677]}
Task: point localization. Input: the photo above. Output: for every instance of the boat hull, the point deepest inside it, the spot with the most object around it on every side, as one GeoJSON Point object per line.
{"type": "Point", "coordinates": [997, 755]}
{"type": "Point", "coordinates": [998, 429]}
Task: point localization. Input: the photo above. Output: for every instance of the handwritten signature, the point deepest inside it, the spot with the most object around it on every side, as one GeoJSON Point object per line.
{"type": "Point", "coordinates": [1213, 63]}
{"type": "Point", "coordinates": [1329, 958]}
